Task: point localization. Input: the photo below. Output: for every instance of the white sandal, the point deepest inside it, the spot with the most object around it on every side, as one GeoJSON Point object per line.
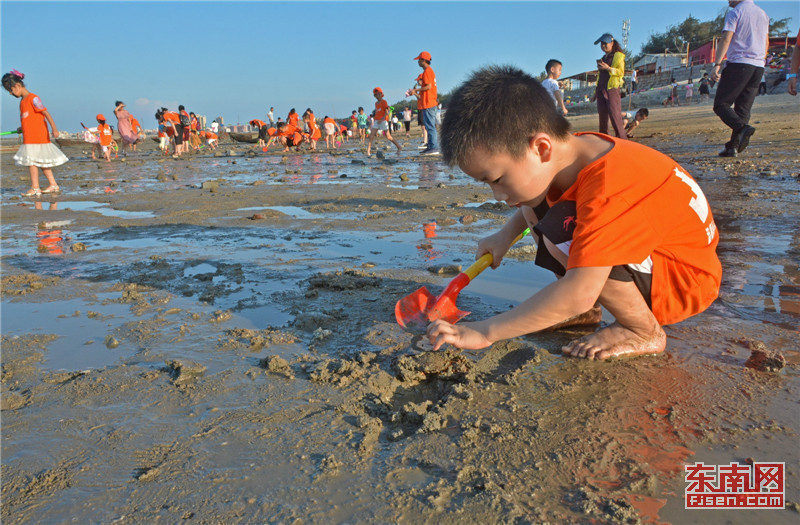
{"type": "Point", "coordinates": [52, 189]}
{"type": "Point", "coordinates": [33, 193]}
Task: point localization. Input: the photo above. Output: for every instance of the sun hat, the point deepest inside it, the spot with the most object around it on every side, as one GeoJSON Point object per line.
{"type": "Point", "coordinates": [100, 116]}
{"type": "Point", "coordinates": [424, 56]}
{"type": "Point", "coordinates": [606, 38]}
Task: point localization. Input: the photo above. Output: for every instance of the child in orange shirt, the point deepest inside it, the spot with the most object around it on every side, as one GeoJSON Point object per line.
{"type": "Point", "coordinates": [623, 225]}
{"type": "Point", "coordinates": [261, 126]}
{"type": "Point", "coordinates": [137, 129]}
{"type": "Point", "coordinates": [105, 133]}
{"type": "Point", "coordinates": [36, 151]}
{"type": "Point", "coordinates": [381, 122]}
{"type": "Point", "coordinates": [288, 135]}
{"type": "Point", "coordinates": [330, 132]}
{"type": "Point", "coordinates": [211, 138]}
{"type": "Point", "coordinates": [174, 130]}
{"type": "Point", "coordinates": [293, 119]}
{"type": "Point", "coordinates": [314, 134]}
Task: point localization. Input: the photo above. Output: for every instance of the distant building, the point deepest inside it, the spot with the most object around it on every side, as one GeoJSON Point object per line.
{"type": "Point", "coordinates": [657, 63]}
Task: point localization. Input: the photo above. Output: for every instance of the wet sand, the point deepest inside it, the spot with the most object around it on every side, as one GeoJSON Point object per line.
{"type": "Point", "coordinates": [212, 340]}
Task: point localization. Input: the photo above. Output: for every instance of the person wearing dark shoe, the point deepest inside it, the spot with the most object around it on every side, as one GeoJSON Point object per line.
{"type": "Point", "coordinates": [745, 40]}
{"type": "Point", "coordinates": [428, 101]}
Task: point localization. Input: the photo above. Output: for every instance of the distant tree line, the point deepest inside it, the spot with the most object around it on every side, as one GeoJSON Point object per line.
{"type": "Point", "coordinates": [692, 33]}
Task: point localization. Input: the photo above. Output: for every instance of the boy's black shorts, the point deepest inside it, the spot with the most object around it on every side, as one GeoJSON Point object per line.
{"type": "Point", "coordinates": [178, 134]}
{"type": "Point", "coordinates": [262, 133]}
{"type": "Point", "coordinates": [558, 225]}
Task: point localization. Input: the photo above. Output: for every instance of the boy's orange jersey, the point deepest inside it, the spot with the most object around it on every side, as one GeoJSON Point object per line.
{"type": "Point", "coordinates": [135, 126]}
{"type": "Point", "coordinates": [381, 110]}
{"type": "Point", "coordinates": [104, 130]}
{"type": "Point", "coordinates": [429, 98]}
{"type": "Point", "coordinates": [293, 119]}
{"type": "Point", "coordinates": [31, 116]}
{"type": "Point", "coordinates": [257, 123]}
{"type": "Point", "coordinates": [288, 131]}
{"type": "Point", "coordinates": [172, 117]}
{"type": "Point", "coordinates": [635, 205]}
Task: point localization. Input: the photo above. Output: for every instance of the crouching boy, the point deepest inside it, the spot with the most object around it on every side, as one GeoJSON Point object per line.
{"type": "Point", "coordinates": [622, 225]}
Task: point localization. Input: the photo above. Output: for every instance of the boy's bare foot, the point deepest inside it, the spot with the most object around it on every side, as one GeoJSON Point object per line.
{"type": "Point", "coordinates": [591, 316]}
{"type": "Point", "coordinates": [617, 341]}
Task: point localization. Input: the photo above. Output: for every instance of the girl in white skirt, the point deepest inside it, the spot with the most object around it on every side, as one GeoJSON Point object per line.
{"type": "Point", "coordinates": [37, 151]}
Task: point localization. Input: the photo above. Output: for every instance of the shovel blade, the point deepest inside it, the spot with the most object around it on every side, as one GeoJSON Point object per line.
{"type": "Point", "coordinates": [445, 309]}
{"type": "Point", "coordinates": [410, 310]}
{"type": "Point", "coordinates": [421, 307]}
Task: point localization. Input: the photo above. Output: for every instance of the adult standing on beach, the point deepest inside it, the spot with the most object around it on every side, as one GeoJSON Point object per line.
{"type": "Point", "coordinates": [611, 69]}
{"type": "Point", "coordinates": [124, 125]}
{"type": "Point", "coordinates": [745, 39]}
{"type": "Point", "coordinates": [271, 117]}
{"type": "Point", "coordinates": [428, 102]}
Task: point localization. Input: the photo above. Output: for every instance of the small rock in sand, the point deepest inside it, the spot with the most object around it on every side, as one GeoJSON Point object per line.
{"type": "Point", "coordinates": [111, 342]}
{"type": "Point", "coordinates": [78, 247]}
{"type": "Point", "coordinates": [183, 371]}
{"type": "Point", "coordinates": [445, 269]}
{"type": "Point", "coordinates": [258, 217]}
{"type": "Point", "coordinates": [765, 360]}
{"type": "Point", "coordinates": [277, 365]}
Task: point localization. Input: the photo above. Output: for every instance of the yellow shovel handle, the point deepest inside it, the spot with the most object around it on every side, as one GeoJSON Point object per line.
{"type": "Point", "coordinates": [486, 259]}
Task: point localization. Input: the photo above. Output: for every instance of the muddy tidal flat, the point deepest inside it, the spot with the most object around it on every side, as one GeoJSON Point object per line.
{"type": "Point", "coordinates": [212, 339]}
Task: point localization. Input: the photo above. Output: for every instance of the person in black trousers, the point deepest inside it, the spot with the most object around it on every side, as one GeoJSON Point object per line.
{"type": "Point", "coordinates": [745, 41]}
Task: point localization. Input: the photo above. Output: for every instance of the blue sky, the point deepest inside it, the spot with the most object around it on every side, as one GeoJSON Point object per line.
{"type": "Point", "coordinates": [235, 59]}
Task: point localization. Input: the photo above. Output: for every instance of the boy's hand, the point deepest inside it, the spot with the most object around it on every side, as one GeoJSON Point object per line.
{"type": "Point", "coordinates": [462, 335]}
{"type": "Point", "coordinates": [497, 244]}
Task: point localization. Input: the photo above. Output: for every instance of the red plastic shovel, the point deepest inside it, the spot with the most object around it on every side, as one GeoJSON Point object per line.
{"type": "Point", "coordinates": [421, 307]}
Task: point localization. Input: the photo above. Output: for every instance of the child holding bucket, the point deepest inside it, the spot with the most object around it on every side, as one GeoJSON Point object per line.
{"type": "Point", "coordinates": [36, 152]}
{"type": "Point", "coordinates": [622, 225]}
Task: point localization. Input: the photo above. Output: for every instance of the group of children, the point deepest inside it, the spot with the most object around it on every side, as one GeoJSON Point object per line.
{"type": "Point", "coordinates": [622, 225]}
{"type": "Point", "coordinates": [290, 135]}
{"type": "Point", "coordinates": [182, 129]}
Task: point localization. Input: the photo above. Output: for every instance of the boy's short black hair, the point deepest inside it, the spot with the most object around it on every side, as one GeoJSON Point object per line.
{"type": "Point", "coordinates": [498, 108]}
{"type": "Point", "coordinates": [644, 111]}
{"type": "Point", "coordinates": [550, 63]}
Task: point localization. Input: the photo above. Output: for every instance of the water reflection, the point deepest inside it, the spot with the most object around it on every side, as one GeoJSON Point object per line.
{"type": "Point", "coordinates": [426, 249]}
{"type": "Point", "coordinates": [50, 242]}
